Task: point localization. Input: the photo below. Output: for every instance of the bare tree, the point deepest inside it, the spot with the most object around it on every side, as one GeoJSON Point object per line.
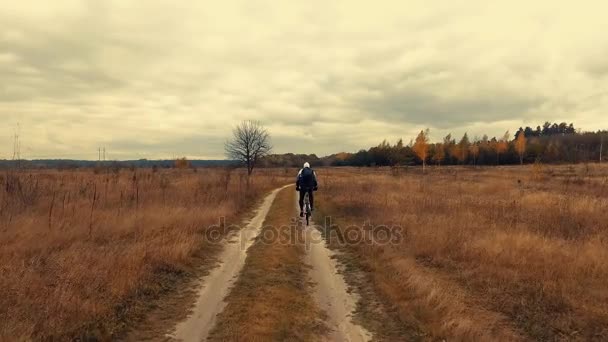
{"type": "Point", "coordinates": [250, 142]}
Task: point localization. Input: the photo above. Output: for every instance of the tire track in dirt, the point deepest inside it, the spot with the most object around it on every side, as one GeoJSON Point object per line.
{"type": "Point", "coordinates": [331, 291]}
{"type": "Point", "coordinates": [216, 285]}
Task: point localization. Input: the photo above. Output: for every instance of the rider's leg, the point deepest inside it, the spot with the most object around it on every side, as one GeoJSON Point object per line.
{"type": "Point", "coordinates": [311, 199]}
{"type": "Point", "coordinates": [301, 202]}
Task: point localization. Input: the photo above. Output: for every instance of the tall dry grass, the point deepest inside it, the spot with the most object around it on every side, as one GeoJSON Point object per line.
{"type": "Point", "coordinates": [492, 254]}
{"type": "Point", "coordinates": [80, 251]}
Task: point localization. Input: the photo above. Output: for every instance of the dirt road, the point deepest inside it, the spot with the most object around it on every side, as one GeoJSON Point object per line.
{"type": "Point", "coordinates": [215, 286]}
{"type": "Point", "coordinates": [331, 291]}
{"type": "Point", "coordinates": [327, 292]}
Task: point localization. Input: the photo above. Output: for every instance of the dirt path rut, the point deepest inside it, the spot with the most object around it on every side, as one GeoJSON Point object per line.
{"type": "Point", "coordinates": [331, 291]}
{"type": "Point", "coordinates": [215, 286]}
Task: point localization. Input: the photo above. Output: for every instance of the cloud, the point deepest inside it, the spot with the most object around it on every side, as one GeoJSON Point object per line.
{"type": "Point", "coordinates": [452, 101]}
{"type": "Point", "coordinates": [157, 79]}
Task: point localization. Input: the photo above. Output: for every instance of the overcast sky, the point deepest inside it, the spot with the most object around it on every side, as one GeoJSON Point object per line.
{"type": "Point", "coordinates": [157, 79]}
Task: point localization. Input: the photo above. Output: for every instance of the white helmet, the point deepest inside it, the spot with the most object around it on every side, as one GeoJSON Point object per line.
{"type": "Point", "coordinates": [306, 165]}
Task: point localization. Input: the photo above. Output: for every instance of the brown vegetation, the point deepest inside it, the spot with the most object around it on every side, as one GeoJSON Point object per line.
{"type": "Point", "coordinates": [488, 254]}
{"type": "Point", "coordinates": [81, 252]}
{"type": "Point", "coordinates": [182, 163]}
{"type": "Point", "coordinates": [517, 253]}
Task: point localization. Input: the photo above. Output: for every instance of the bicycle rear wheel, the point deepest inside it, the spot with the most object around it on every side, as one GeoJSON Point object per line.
{"type": "Point", "coordinates": [307, 208]}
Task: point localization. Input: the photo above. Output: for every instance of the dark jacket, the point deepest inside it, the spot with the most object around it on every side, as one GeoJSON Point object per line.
{"type": "Point", "coordinates": [301, 182]}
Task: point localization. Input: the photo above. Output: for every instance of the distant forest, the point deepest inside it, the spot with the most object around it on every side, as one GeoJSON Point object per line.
{"type": "Point", "coordinates": [549, 143]}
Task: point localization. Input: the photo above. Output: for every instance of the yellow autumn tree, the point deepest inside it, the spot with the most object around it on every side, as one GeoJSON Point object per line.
{"type": "Point", "coordinates": [520, 146]}
{"type": "Point", "coordinates": [502, 146]}
{"type": "Point", "coordinates": [421, 147]}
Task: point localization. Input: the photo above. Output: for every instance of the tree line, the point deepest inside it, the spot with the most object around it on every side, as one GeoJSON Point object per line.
{"type": "Point", "coordinates": [549, 143]}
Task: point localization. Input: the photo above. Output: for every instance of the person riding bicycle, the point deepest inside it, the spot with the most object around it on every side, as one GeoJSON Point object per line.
{"type": "Point", "coordinates": [306, 183]}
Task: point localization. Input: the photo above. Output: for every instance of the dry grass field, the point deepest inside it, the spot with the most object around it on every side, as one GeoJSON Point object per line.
{"type": "Point", "coordinates": [83, 252]}
{"type": "Point", "coordinates": [511, 253]}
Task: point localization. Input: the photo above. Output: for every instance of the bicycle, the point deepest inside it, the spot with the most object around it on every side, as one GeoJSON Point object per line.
{"type": "Point", "coordinates": [307, 209]}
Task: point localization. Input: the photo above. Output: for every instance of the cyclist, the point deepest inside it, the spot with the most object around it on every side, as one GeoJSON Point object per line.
{"type": "Point", "coordinates": [306, 183]}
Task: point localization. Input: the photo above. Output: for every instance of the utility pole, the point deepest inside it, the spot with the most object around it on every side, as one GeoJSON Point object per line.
{"type": "Point", "coordinates": [99, 154]}
{"type": "Point", "coordinates": [104, 154]}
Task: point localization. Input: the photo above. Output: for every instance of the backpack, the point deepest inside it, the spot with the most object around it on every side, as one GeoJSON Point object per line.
{"type": "Point", "coordinates": [308, 177]}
